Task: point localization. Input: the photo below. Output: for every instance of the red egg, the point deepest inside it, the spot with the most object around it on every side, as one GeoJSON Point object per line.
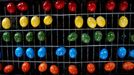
{"type": "Point", "coordinates": [72, 6]}
{"type": "Point", "coordinates": [91, 6]}
{"type": "Point", "coordinates": [91, 68]}
{"type": "Point", "coordinates": [0, 67]}
{"type": "Point", "coordinates": [128, 66]}
{"type": "Point", "coordinates": [73, 69]}
{"type": "Point", "coordinates": [22, 6]}
{"type": "Point", "coordinates": [59, 4]}
{"type": "Point", "coordinates": [25, 67]}
{"type": "Point", "coordinates": [54, 69]}
{"type": "Point", "coordinates": [8, 68]}
{"type": "Point", "coordinates": [123, 6]}
{"type": "Point", "coordinates": [109, 66]}
{"type": "Point", "coordinates": [42, 67]}
{"type": "Point", "coordinates": [11, 8]}
{"type": "Point", "coordinates": [47, 6]}
{"type": "Point", "coordinates": [110, 5]}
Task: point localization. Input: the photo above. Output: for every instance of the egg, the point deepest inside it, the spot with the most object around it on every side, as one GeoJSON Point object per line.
{"type": "Point", "coordinates": [72, 53]}
{"type": "Point", "coordinates": [103, 54]}
{"type": "Point", "coordinates": [131, 53]}
{"type": "Point", "coordinates": [110, 66]}
{"type": "Point", "coordinates": [6, 36]}
{"type": "Point", "coordinates": [1, 67]}
{"type": "Point", "coordinates": [91, 68]}
{"type": "Point", "coordinates": [35, 21]}
{"type": "Point", "coordinates": [54, 69]}
{"type": "Point", "coordinates": [6, 23]}
{"type": "Point", "coordinates": [123, 21]}
{"type": "Point", "coordinates": [110, 37]}
{"type": "Point", "coordinates": [41, 52]}
{"type": "Point", "coordinates": [85, 38]}
{"type": "Point", "coordinates": [29, 37]}
{"type": "Point", "coordinates": [18, 37]}
{"type": "Point", "coordinates": [48, 20]}
{"type": "Point", "coordinates": [25, 67]}
{"type": "Point", "coordinates": [128, 66]}
{"type": "Point", "coordinates": [98, 36]}
{"type": "Point", "coordinates": [91, 22]}
{"type": "Point", "coordinates": [73, 69]}
{"type": "Point", "coordinates": [101, 22]}
{"type": "Point", "coordinates": [42, 67]}
{"type": "Point", "coordinates": [18, 52]}
{"type": "Point", "coordinates": [78, 21]}
{"type": "Point", "coordinates": [23, 21]}
{"type": "Point", "coordinates": [60, 51]}
{"type": "Point", "coordinates": [72, 37]}
{"type": "Point", "coordinates": [30, 53]}
{"type": "Point", "coordinates": [121, 52]}
{"type": "Point", "coordinates": [132, 37]}
{"type": "Point", "coordinates": [41, 36]}
{"type": "Point", "coordinates": [8, 68]}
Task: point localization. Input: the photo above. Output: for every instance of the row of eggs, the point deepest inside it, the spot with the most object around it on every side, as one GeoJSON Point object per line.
{"type": "Point", "coordinates": [72, 68]}
{"type": "Point", "coordinates": [91, 22]}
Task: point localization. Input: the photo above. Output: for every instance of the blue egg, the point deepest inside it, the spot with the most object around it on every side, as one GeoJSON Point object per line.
{"type": "Point", "coordinates": [41, 52]}
{"type": "Point", "coordinates": [131, 53]}
{"type": "Point", "coordinates": [60, 51]}
{"type": "Point", "coordinates": [72, 53]}
{"type": "Point", "coordinates": [121, 52]}
{"type": "Point", "coordinates": [18, 52]}
{"type": "Point", "coordinates": [103, 54]}
{"type": "Point", "coordinates": [30, 53]}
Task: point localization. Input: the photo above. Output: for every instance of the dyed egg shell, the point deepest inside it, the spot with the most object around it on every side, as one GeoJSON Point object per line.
{"type": "Point", "coordinates": [73, 69]}
{"type": "Point", "coordinates": [91, 22]}
{"type": "Point", "coordinates": [103, 54]}
{"type": "Point", "coordinates": [98, 36]}
{"type": "Point", "coordinates": [6, 36]}
{"type": "Point", "coordinates": [17, 37]}
{"type": "Point", "coordinates": [123, 21]}
{"type": "Point", "coordinates": [42, 52]}
{"type": "Point", "coordinates": [72, 53]}
{"type": "Point", "coordinates": [35, 21]}
{"type": "Point", "coordinates": [29, 37]}
{"type": "Point", "coordinates": [128, 66]}
{"type": "Point", "coordinates": [25, 67]}
{"type": "Point", "coordinates": [109, 66]}
{"type": "Point", "coordinates": [1, 67]}
{"type": "Point", "coordinates": [6, 23]}
{"type": "Point", "coordinates": [30, 53]}
{"type": "Point", "coordinates": [78, 21]}
{"type": "Point", "coordinates": [72, 37]}
{"type": "Point", "coordinates": [91, 68]}
{"type": "Point", "coordinates": [132, 37]}
{"type": "Point", "coordinates": [48, 20]}
{"type": "Point", "coordinates": [23, 21]}
{"type": "Point", "coordinates": [8, 68]}
{"type": "Point", "coordinates": [101, 22]}
{"type": "Point", "coordinates": [85, 38]}
{"type": "Point", "coordinates": [131, 53]}
{"type": "Point", "coordinates": [41, 36]}
{"type": "Point", "coordinates": [54, 69]}
{"type": "Point", "coordinates": [121, 52]}
{"type": "Point", "coordinates": [42, 67]}
{"type": "Point", "coordinates": [110, 36]}
{"type": "Point", "coordinates": [18, 52]}
{"type": "Point", "coordinates": [60, 51]}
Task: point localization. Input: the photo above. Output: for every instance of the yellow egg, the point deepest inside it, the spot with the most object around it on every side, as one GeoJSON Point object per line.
{"type": "Point", "coordinates": [123, 21]}
{"type": "Point", "coordinates": [23, 21]}
{"type": "Point", "coordinates": [48, 20]}
{"type": "Point", "coordinates": [6, 23]}
{"type": "Point", "coordinates": [78, 21]}
{"type": "Point", "coordinates": [91, 22]}
{"type": "Point", "coordinates": [101, 22]}
{"type": "Point", "coordinates": [35, 21]}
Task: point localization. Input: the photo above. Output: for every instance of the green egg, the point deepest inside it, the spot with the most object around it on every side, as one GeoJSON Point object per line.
{"type": "Point", "coordinates": [72, 36]}
{"type": "Point", "coordinates": [98, 36]}
{"type": "Point", "coordinates": [6, 36]}
{"type": "Point", "coordinates": [85, 38]}
{"type": "Point", "coordinates": [17, 37]}
{"type": "Point", "coordinates": [132, 37]}
{"type": "Point", "coordinates": [29, 36]}
{"type": "Point", "coordinates": [41, 36]}
{"type": "Point", "coordinates": [110, 36]}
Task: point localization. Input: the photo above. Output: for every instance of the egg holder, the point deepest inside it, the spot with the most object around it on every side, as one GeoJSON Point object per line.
{"type": "Point", "coordinates": [91, 54]}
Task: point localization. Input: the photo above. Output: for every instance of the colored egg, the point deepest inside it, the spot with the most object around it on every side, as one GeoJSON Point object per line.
{"type": "Point", "coordinates": [72, 36]}
{"type": "Point", "coordinates": [6, 23]}
{"type": "Point", "coordinates": [132, 37]}
{"type": "Point", "coordinates": [6, 36]}
{"type": "Point", "coordinates": [101, 22]}
{"type": "Point", "coordinates": [25, 67]}
{"type": "Point", "coordinates": [72, 53]}
{"type": "Point", "coordinates": [54, 69]}
{"type": "Point", "coordinates": [17, 37]}
{"type": "Point", "coordinates": [29, 37]}
{"type": "Point", "coordinates": [78, 21]}
{"type": "Point", "coordinates": [131, 53]}
{"type": "Point", "coordinates": [18, 52]}
{"type": "Point", "coordinates": [91, 68]}
{"type": "Point", "coordinates": [110, 36]}
{"type": "Point", "coordinates": [103, 54]}
{"type": "Point", "coordinates": [123, 21]}
{"type": "Point", "coordinates": [1, 67]}
{"type": "Point", "coordinates": [91, 22]}
{"type": "Point", "coordinates": [98, 36]}
{"type": "Point", "coordinates": [41, 36]}
{"type": "Point", "coordinates": [35, 21]}
{"type": "Point", "coordinates": [48, 20]}
{"type": "Point", "coordinates": [23, 21]}
{"type": "Point", "coordinates": [8, 69]}
{"type": "Point", "coordinates": [60, 51]}
{"type": "Point", "coordinates": [128, 66]}
{"type": "Point", "coordinates": [42, 52]}
{"type": "Point", "coordinates": [121, 52]}
{"type": "Point", "coordinates": [85, 38]}
{"type": "Point", "coordinates": [109, 66]}
{"type": "Point", "coordinates": [73, 69]}
{"type": "Point", "coordinates": [42, 67]}
{"type": "Point", "coordinates": [30, 53]}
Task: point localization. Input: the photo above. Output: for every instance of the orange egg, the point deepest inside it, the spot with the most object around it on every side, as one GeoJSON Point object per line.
{"type": "Point", "coordinates": [109, 66]}
{"type": "Point", "coordinates": [54, 69]}
{"type": "Point", "coordinates": [8, 68]}
{"type": "Point", "coordinates": [128, 66]}
{"type": "Point", "coordinates": [91, 68]}
{"type": "Point", "coordinates": [25, 67]}
{"type": "Point", "coordinates": [42, 67]}
{"type": "Point", "coordinates": [0, 67]}
{"type": "Point", "coordinates": [73, 69]}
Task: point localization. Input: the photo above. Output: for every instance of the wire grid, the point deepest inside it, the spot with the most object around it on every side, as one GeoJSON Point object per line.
{"type": "Point", "coordinates": [62, 62]}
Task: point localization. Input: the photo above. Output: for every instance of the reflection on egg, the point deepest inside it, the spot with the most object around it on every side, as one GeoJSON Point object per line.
{"type": "Point", "coordinates": [42, 52]}
{"type": "Point", "coordinates": [78, 21]}
{"type": "Point", "coordinates": [48, 20]}
{"type": "Point", "coordinates": [6, 23]}
{"type": "Point", "coordinates": [23, 21]}
{"type": "Point", "coordinates": [103, 54]}
{"type": "Point", "coordinates": [18, 52]}
{"type": "Point", "coordinates": [121, 52]}
{"type": "Point", "coordinates": [123, 21]}
{"type": "Point", "coordinates": [101, 22]}
{"type": "Point", "coordinates": [30, 53]}
{"type": "Point", "coordinates": [91, 22]}
{"type": "Point", "coordinates": [35, 21]}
